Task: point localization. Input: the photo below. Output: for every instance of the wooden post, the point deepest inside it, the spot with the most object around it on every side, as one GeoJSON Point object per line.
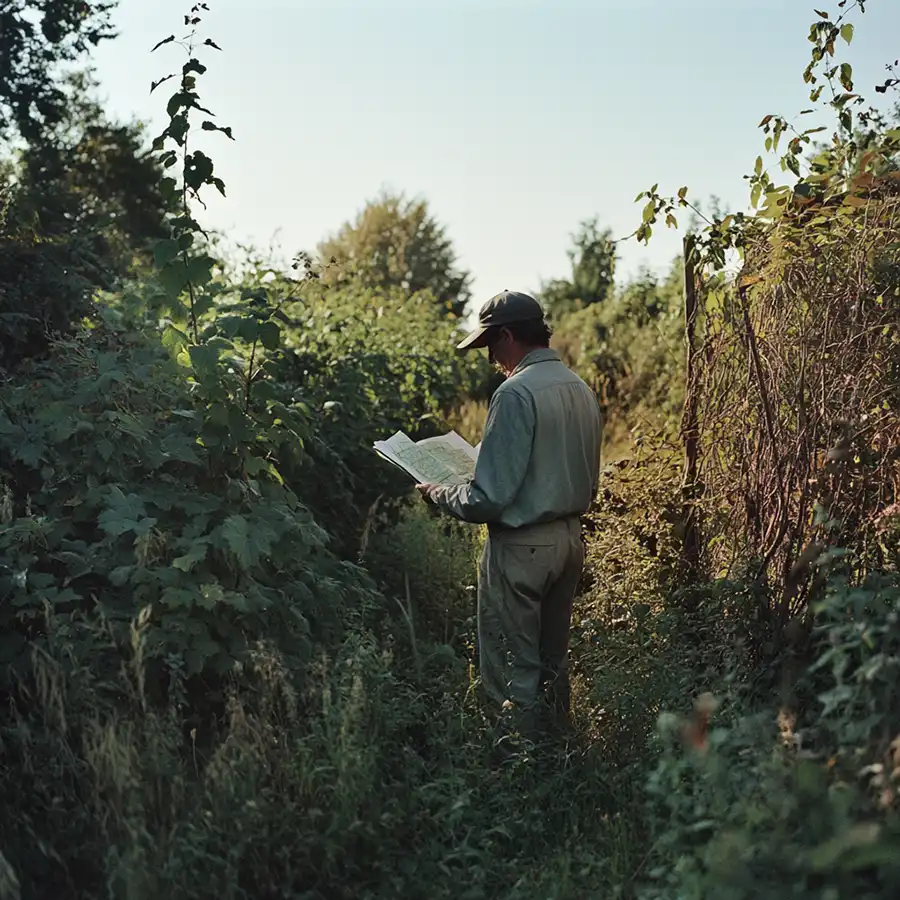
{"type": "Point", "coordinates": [690, 428]}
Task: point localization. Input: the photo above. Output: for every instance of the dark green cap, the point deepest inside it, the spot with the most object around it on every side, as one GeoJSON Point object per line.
{"type": "Point", "coordinates": [506, 308]}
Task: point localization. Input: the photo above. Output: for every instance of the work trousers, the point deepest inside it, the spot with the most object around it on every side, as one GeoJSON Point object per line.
{"type": "Point", "coordinates": [527, 581]}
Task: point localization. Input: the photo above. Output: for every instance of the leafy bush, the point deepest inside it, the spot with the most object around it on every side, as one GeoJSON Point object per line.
{"type": "Point", "coordinates": [113, 506]}
{"type": "Point", "coordinates": [370, 777]}
{"type": "Point", "coordinates": [367, 365]}
{"type": "Point", "coordinates": [629, 349]}
{"type": "Point", "coordinates": [793, 806]}
{"type": "Point", "coordinates": [396, 243]}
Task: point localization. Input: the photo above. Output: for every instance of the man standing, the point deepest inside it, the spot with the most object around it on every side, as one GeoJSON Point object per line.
{"type": "Point", "coordinates": [537, 472]}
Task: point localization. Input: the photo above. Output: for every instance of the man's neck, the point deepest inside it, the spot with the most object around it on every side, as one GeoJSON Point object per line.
{"type": "Point", "coordinates": [520, 353]}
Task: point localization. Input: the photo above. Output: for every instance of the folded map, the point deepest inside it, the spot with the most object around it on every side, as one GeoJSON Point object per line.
{"type": "Point", "coordinates": [447, 459]}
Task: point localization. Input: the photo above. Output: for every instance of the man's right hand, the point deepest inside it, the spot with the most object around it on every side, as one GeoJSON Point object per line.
{"type": "Point", "coordinates": [425, 490]}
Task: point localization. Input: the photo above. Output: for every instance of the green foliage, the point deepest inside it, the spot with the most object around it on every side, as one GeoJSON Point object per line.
{"type": "Point", "coordinates": [36, 38]}
{"type": "Point", "coordinates": [426, 563]}
{"type": "Point", "coordinates": [593, 260]}
{"type": "Point", "coordinates": [45, 285]}
{"type": "Point", "coordinates": [630, 350]}
{"type": "Point", "coordinates": [368, 364]}
{"type": "Point", "coordinates": [807, 809]}
{"type": "Point", "coordinates": [840, 177]}
{"type": "Point", "coordinates": [397, 243]}
{"type": "Point", "coordinates": [373, 772]}
{"type": "Point", "coordinates": [203, 697]}
{"type": "Point", "coordinates": [116, 507]}
{"type": "Point", "coordinates": [79, 206]}
{"type": "Point", "coordinates": [88, 175]}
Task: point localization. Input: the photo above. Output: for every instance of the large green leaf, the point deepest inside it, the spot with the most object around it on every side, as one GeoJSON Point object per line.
{"type": "Point", "coordinates": [196, 554]}
{"type": "Point", "coordinates": [236, 534]}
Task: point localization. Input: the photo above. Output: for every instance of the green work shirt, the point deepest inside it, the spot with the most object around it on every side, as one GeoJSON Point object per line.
{"type": "Point", "coordinates": [540, 452]}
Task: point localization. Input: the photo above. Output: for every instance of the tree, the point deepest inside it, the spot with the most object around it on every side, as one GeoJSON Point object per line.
{"type": "Point", "coordinates": [593, 261]}
{"type": "Point", "coordinates": [79, 207]}
{"type": "Point", "coordinates": [36, 38]}
{"type": "Point", "coordinates": [95, 177]}
{"type": "Point", "coordinates": [395, 242]}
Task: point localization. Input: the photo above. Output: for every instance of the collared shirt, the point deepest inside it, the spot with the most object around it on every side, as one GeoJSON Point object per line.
{"type": "Point", "coordinates": [540, 452]}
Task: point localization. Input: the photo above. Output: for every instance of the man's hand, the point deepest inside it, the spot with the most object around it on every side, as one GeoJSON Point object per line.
{"type": "Point", "coordinates": [425, 490]}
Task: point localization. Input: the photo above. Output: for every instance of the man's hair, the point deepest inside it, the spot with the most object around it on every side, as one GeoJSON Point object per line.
{"type": "Point", "coordinates": [533, 333]}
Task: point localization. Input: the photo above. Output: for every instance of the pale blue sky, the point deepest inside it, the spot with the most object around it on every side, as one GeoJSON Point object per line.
{"type": "Point", "coordinates": [514, 118]}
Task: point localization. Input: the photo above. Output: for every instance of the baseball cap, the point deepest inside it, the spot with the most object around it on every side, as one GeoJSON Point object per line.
{"type": "Point", "coordinates": [505, 308]}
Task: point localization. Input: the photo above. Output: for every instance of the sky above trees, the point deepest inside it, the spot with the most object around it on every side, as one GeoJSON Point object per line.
{"type": "Point", "coordinates": [515, 120]}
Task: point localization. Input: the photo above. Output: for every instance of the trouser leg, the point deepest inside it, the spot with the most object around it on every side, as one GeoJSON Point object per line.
{"type": "Point", "coordinates": [491, 650]}
{"type": "Point", "coordinates": [527, 582]}
{"type": "Point", "coordinates": [510, 588]}
{"type": "Point", "coordinates": [556, 620]}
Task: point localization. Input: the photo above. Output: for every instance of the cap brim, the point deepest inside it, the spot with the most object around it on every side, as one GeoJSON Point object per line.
{"type": "Point", "coordinates": [476, 339]}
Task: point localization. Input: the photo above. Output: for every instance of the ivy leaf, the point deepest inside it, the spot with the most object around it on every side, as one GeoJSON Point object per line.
{"type": "Point", "coordinates": [165, 251]}
{"type": "Point", "coordinates": [31, 452]}
{"type": "Point", "coordinates": [205, 360]}
{"type": "Point", "coordinates": [176, 598]}
{"type": "Point", "coordinates": [193, 65]}
{"type": "Point", "coordinates": [237, 601]}
{"type": "Point", "coordinates": [174, 340]}
{"type": "Point", "coordinates": [143, 526]}
{"type": "Point", "coordinates": [130, 505]}
{"type": "Point", "coordinates": [120, 575]}
{"type": "Point", "coordinates": [176, 101]}
{"type": "Point", "coordinates": [211, 595]}
{"type": "Point", "coordinates": [198, 170]}
{"type": "Point", "coordinates": [199, 270]}
{"type": "Point", "coordinates": [114, 523]}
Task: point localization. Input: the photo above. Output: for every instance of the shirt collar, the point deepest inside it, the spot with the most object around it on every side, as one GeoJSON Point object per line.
{"type": "Point", "coordinates": [543, 354]}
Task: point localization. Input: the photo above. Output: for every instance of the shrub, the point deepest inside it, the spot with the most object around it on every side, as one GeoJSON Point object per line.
{"type": "Point", "coordinates": [367, 365]}
{"type": "Point", "coordinates": [794, 806]}
{"type": "Point", "coordinates": [114, 507]}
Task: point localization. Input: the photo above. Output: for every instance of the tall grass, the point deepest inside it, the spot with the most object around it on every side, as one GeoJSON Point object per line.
{"type": "Point", "coordinates": [372, 775]}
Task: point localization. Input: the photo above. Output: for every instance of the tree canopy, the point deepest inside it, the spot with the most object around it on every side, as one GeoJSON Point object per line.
{"type": "Point", "coordinates": [593, 260]}
{"type": "Point", "coordinates": [37, 37]}
{"type": "Point", "coordinates": [396, 242]}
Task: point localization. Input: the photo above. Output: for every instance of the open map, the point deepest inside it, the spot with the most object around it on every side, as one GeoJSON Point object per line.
{"type": "Point", "coordinates": [448, 459]}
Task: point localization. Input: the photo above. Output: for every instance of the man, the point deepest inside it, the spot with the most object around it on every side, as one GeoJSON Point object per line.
{"type": "Point", "coordinates": [537, 472]}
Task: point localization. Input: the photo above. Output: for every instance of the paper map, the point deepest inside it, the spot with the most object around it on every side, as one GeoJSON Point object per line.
{"type": "Point", "coordinates": [448, 459]}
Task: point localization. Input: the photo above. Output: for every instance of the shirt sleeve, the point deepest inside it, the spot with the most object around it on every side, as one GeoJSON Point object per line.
{"type": "Point", "coordinates": [502, 462]}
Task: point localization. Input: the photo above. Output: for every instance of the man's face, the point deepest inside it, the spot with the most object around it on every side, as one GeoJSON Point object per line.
{"type": "Point", "coordinates": [499, 346]}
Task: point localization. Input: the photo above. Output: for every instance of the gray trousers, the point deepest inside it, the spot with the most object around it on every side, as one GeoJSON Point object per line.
{"type": "Point", "coordinates": [526, 584]}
